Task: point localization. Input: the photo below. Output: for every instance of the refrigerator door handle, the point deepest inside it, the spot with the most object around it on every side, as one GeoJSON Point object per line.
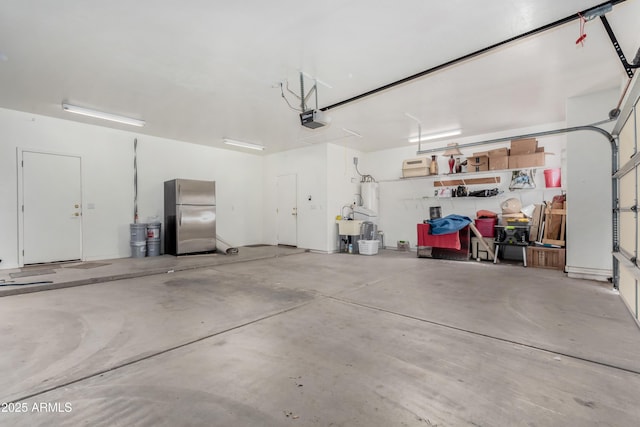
{"type": "Point", "coordinates": [179, 191]}
{"type": "Point", "coordinates": [180, 223]}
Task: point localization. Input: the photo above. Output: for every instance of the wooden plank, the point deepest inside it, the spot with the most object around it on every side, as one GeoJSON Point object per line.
{"type": "Point", "coordinates": [553, 242]}
{"type": "Point", "coordinates": [486, 247]}
{"type": "Point", "coordinates": [555, 211]}
{"type": "Point", "coordinates": [468, 181]}
{"type": "Point", "coordinates": [541, 228]}
{"type": "Point", "coordinates": [546, 257]}
{"type": "Point", "coordinates": [553, 236]}
{"type": "Point", "coordinates": [536, 223]}
{"type": "Point", "coordinates": [563, 225]}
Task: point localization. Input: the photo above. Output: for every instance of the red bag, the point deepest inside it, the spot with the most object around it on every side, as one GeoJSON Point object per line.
{"type": "Point", "coordinates": [486, 214]}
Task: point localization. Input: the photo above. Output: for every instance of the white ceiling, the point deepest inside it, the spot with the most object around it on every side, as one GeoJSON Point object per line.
{"type": "Point", "coordinates": [202, 70]}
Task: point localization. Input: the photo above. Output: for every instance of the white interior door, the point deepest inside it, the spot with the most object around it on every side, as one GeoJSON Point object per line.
{"type": "Point", "coordinates": [52, 208]}
{"type": "Point", "coordinates": [287, 210]}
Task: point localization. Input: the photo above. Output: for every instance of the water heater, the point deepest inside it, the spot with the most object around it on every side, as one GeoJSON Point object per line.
{"type": "Point", "coordinates": [370, 195]}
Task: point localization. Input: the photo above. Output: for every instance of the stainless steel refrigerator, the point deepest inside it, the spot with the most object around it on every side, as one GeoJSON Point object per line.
{"type": "Point", "coordinates": [190, 216]}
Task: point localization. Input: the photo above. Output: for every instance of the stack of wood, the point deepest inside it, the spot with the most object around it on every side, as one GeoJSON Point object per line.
{"type": "Point", "coordinates": [549, 223]}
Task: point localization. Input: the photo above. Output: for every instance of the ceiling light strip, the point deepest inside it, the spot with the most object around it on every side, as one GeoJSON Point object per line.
{"type": "Point", "coordinates": [102, 115]}
{"type": "Point", "coordinates": [243, 144]}
{"type": "Point", "coordinates": [435, 136]}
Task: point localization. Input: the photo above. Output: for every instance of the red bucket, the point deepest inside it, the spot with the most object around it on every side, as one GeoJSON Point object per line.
{"type": "Point", "coordinates": [552, 178]}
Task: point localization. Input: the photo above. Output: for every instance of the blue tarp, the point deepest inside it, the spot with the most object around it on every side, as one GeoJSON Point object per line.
{"type": "Point", "coordinates": [448, 224]}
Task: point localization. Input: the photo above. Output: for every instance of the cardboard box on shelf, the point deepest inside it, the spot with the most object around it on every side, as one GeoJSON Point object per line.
{"type": "Point", "coordinates": [415, 167]}
{"type": "Point", "coordinates": [522, 161]}
{"type": "Point", "coordinates": [523, 146]}
{"type": "Point", "coordinates": [498, 162]}
{"type": "Point", "coordinates": [478, 163]}
{"type": "Point", "coordinates": [499, 152]}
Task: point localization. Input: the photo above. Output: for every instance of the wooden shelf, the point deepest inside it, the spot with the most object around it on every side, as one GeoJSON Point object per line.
{"type": "Point", "coordinates": [467, 181]}
{"type": "Point", "coordinates": [461, 176]}
{"type": "Point", "coordinates": [463, 197]}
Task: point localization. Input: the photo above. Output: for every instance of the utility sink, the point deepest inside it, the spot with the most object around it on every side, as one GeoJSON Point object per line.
{"type": "Point", "coordinates": [349, 228]}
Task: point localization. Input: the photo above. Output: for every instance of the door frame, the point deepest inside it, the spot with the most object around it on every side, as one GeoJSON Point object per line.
{"type": "Point", "coordinates": [20, 200]}
{"type": "Point", "coordinates": [278, 213]}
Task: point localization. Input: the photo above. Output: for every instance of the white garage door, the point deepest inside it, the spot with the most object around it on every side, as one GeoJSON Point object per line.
{"type": "Point", "coordinates": [629, 197]}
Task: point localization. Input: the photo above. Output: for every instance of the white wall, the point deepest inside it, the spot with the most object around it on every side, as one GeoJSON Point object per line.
{"type": "Point", "coordinates": [238, 179]}
{"type": "Point", "coordinates": [107, 181]}
{"type": "Point", "coordinates": [589, 231]}
{"type": "Point", "coordinates": [405, 202]}
{"type": "Point", "coordinates": [309, 164]}
{"type": "Point", "coordinates": [246, 184]}
{"type": "Point", "coordinates": [327, 174]}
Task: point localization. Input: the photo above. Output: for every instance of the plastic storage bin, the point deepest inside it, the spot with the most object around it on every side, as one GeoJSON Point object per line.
{"type": "Point", "coordinates": [486, 226]}
{"type": "Point", "coordinates": [368, 247]}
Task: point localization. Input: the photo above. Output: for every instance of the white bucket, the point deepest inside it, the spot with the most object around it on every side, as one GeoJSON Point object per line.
{"type": "Point", "coordinates": [153, 247]}
{"type": "Point", "coordinates": [138, 249]}
{"type": "Point", "coordinates": [138, 233]}
{"type": "Point", "coordinates": [153, 230]}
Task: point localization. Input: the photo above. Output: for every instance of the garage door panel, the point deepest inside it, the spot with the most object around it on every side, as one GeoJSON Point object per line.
{"type": "Point", "coordinates": [628, 289]}
{"type": "Point", "coordinates": [627, 234]}
{"type": "Point", "coordinates": [627, 140]}
{"type": "Point", "coordinates": [628, 190]}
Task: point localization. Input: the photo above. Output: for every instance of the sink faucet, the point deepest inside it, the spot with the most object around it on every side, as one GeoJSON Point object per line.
{"type": "Point", "coordinates": [342, 211]}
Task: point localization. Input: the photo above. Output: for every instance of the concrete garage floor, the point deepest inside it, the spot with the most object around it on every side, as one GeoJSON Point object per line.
{"type": "Point", "coordinates": [322, 340]}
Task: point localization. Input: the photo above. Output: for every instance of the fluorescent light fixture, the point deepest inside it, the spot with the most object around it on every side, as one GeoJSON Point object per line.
{"type": "Point", "coordinates": [101, 115]}
{"type": "Point", "coordinates": [435, 136]}
{"type": "Point", "coordinates": [243, 144]}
